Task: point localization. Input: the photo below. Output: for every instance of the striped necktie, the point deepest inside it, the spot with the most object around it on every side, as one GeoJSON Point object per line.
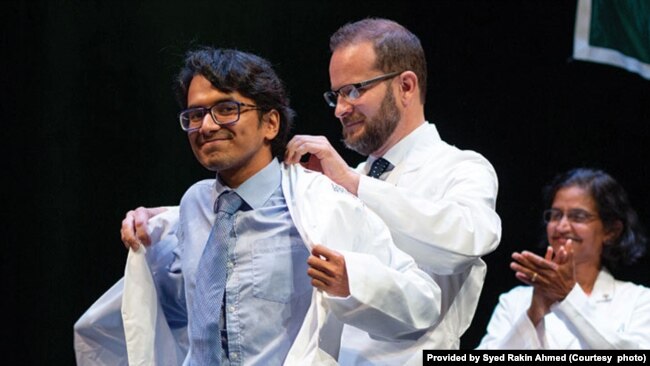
{"type": "Point", "coordinates": [211, 275]}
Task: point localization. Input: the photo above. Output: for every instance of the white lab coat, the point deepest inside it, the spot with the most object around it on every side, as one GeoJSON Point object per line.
{"type": "Point", "coordinates": [615, 316]}
{"type": "Point", "coordinates": [439, 203]}
{"type": "Point", "coordinates": [390, 297]}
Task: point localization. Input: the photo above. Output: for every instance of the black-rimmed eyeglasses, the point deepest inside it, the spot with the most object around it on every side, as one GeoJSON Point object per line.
{"type": "Point", "coordinates": [352, 92]}
{"type": "Point", "coordinates": [222, 113]}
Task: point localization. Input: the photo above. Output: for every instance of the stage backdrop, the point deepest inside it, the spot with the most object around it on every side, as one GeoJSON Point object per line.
{"type": "Point", "coordinates": [90, 127]}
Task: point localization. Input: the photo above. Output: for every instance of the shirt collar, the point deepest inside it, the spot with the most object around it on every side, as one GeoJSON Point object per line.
{"type": "Point", "coordinates": [403, 148]}
{"type": "Point", "coordinates": [256, 190]}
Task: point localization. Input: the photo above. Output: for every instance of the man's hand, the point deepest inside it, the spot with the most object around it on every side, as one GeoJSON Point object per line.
{"type": "Point", "coordinates": [331, 163]}
{"type": "Point", "coordinates": [134, 226]}
{"type": "Point", "coordinates": [327, 271]}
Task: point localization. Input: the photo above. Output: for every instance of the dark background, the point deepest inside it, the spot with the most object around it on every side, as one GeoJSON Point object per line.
{"type": "Point", "coordinates": [90, 128]}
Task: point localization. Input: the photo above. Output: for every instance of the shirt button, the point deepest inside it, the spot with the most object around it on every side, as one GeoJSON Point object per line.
{"type": "Point", "coordinates": [233, 356]}
{"type": "Point", "coordinates": [231, 309]}
{"type": "Point", "coordinates": [229, 264]}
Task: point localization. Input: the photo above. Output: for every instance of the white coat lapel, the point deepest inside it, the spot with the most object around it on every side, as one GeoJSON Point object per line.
{"type": "Point", "coordinates": [307, 347]}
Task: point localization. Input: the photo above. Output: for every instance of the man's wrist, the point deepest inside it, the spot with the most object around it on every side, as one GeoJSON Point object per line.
{"type": "Point", "coordinates": [352, 182]}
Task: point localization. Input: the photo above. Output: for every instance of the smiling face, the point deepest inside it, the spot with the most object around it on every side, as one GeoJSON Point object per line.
{"type": "Point", "coordinates": [369, 121]}
{"type": "Point", "coordinates": [235, 151]}
{"type": "Point", "coordinates": [588, 237]}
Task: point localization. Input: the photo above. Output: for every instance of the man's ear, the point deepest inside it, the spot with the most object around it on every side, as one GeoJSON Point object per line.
{"type": "Point", "coordinates": [613, 232]}
{"type": "Point", "coordinates": [271, 124]}
{"type": "Point", "coordinates": [408, 87]}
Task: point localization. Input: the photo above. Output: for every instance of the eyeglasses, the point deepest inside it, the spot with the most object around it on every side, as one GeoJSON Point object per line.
{"type": "Point", "coordinates": [576, 216]}
{"type": "Point", "coordinates": [352, 92]}
{"type": "Point", "coordinates": [223, 113]}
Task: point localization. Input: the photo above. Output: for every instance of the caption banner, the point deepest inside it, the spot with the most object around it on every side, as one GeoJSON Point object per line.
{"type": "Point", "coordinates": [496, 357]}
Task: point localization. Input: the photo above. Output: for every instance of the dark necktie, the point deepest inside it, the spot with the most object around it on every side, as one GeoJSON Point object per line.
{"type": "Point", "coordinates": [378, 167]}
{"type": "Point", "coordinates": [211, 275]}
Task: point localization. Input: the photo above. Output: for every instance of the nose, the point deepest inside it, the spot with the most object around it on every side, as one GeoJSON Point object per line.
{"type": "Point", "coordinates": [343, 107]}
{"type": "Point", "coordinates": [208, 124]}
{"type": "Point", "coordinates": [564, 225]}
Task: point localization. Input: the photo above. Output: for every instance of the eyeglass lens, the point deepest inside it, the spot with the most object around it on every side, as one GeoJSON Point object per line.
{"type": "Point", "coordinates": [222, 113]}
{"type": "Point", "coordinates": [575, 215]}
{"type": "Point", "coordinates": [353, 91]}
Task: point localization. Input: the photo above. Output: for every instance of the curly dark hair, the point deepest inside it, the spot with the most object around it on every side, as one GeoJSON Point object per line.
{"type": "Point", "coordinates": [613, 206]}
{"type": "Point", "coordinates": [236, 71]}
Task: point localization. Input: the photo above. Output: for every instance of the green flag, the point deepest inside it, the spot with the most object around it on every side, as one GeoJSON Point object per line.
{"type": "Point", "coordinates": [614, 32]}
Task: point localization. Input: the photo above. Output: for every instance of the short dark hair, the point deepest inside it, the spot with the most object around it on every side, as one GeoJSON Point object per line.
{"type": "Point", "coordinates": [613, 205]}
{"type": "Point", "coordinates": [396, 48]}
{"type": "Point", "coordinates": [236, 71]}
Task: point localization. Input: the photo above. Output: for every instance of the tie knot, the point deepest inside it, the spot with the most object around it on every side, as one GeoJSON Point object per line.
{"type": "Point", "coordinates": [378, 168]}
{"type": "Point", "coordinates": [228, 202]}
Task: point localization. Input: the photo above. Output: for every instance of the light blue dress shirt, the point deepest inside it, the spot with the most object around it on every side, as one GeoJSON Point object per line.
{"type": "Point", "coordinates": [268, 291]}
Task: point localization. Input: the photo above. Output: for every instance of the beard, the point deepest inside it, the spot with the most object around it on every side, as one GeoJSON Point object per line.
{"type": "Point", "coordinates": [376, 130]}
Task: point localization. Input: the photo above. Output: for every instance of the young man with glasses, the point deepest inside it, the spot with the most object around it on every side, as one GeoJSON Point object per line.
{"type": "Point", "coordinates": [272, 279]}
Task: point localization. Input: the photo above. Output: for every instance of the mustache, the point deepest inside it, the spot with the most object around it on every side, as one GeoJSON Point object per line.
{"type": "Point", "coordinates": [354, 118]}
{"type": "Point", "coordinates": [221, 135]}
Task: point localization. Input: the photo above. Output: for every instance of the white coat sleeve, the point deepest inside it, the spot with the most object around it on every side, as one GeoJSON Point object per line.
{"type": "Point", "coordinates": [510, 327]}
{"type": "Point", "coordinates": [448, 220]}
{"type": "Point", "coordinates": [99, 333]}
{"type": "Point", "coordinates": [597, 330]}
{"type": "Point", "coordinates": [390, 297]}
